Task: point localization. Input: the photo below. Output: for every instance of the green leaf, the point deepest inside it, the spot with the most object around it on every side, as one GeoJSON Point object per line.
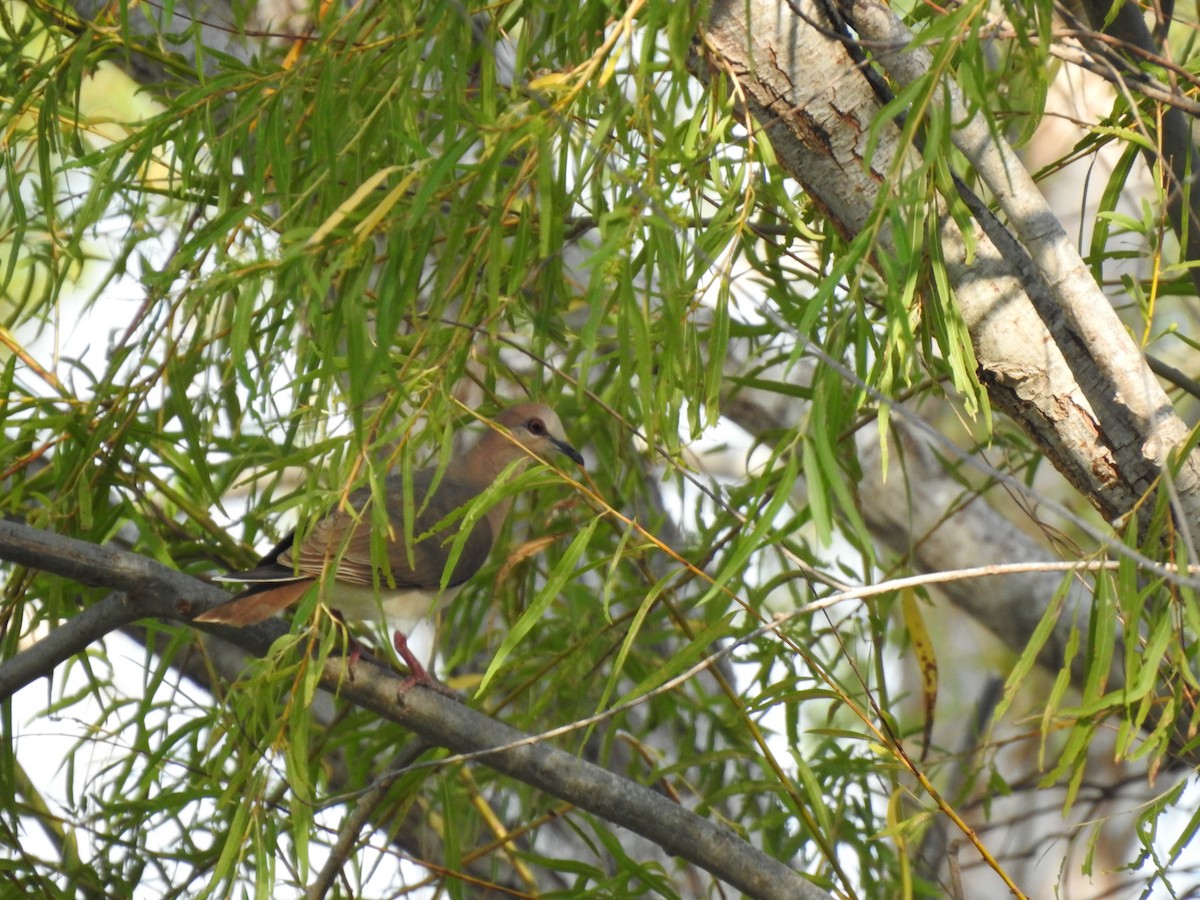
{"type": "Point", "coordinates": [562, 572]}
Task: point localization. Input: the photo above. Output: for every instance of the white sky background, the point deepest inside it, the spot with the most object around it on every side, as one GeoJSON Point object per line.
{"type": "Point", "coordinates": [42, 741]}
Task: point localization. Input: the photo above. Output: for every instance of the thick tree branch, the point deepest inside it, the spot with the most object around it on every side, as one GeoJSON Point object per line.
{"type": "Point", "coordinates": [805, 89]}
{"type": "Point", "coordinates": [1134, 416]}
{"type": "Point", "coordinates": [920, 512]}
{"type": "Point", "coordinates": [155, 590]}
{"type": "Point", "coordinates": [71, 637]}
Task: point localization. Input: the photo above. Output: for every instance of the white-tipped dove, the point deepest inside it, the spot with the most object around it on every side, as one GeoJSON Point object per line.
{"type": "Point", "coordinates": [342, 540]}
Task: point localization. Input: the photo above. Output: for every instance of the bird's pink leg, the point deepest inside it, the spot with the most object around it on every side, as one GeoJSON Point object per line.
{"type": "Point", "coordinates": [416, 671]}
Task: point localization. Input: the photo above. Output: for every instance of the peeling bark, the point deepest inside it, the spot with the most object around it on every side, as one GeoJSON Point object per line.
{"type": "Point", "coordinates": [1059, 365]}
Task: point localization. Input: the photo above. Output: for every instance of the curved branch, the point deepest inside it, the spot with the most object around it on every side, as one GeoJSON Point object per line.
{"type": "Point", "coordinates": [66, 640]}
{"type": "Point", "coordinates": [591, 788]}
{"type": "Point", "coordinates": [360, 817]}
{"type": "Point", "coordinates": [155, 590]}
{"type": "Point", "coordinates": [1133, 413]}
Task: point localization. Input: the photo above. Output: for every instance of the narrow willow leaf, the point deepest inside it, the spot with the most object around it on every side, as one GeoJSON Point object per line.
{"type": "Point", "coordinates": [926, 657]}
{"type": "Point", "coordinates": [559, 576]}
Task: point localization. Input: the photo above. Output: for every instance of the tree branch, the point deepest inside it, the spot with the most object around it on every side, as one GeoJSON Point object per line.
{"type": "Point", "coordinates": [155, 590]}
{"type": "Point", "coordinates": [1133, 413]}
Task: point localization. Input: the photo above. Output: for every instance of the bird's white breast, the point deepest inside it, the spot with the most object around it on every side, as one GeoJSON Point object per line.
{"type": "Point", "coordinates": [402, 609]}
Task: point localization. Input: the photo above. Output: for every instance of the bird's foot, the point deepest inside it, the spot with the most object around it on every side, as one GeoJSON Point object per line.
{"type": "Point", "coordinates": [417, 675]}
{"type": "Point", "coordinates": [354, 648]}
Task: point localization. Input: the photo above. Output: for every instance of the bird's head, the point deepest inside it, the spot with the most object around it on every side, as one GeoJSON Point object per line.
{"type": "Point", "coordinates": [536, 428]}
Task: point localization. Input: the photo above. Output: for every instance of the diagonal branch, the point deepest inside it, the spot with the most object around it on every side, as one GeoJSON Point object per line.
{"type": "Point", "coordinates": [155, 590]}
{"type": "Point", "coordinates": [806, 91]}
{"type": "Point", "coordinates": [1133, 413]}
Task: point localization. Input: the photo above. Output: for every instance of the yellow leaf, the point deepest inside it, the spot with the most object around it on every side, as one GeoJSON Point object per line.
{"type": "Point", "coordinates": [349, 205]}
{"type": "Point", "coordinates": [926, 660]}
{"type": "Point", "coordinates": [550, 82]}
{"type": "Point", "coordinates": [366, 227]}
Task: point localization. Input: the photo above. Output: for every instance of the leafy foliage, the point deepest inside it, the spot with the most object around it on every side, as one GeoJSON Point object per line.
{"type": "Point", "coordinates": [291, 272]}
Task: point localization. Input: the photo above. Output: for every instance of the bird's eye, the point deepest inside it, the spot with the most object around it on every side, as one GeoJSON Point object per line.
{"type": "Point", "coordinates": [536, 426]}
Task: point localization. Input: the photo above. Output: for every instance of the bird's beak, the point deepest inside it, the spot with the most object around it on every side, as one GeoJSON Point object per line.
{"type": "Point", "coordinates": [567, 450]}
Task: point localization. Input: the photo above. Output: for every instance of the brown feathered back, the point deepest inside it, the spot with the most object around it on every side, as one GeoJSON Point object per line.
{"type": "Point", "coordinates": [341, 541]}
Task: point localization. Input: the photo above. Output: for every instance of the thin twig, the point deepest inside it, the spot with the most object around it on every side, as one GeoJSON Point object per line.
{"type": "Point", "coordinates": [360, 816]}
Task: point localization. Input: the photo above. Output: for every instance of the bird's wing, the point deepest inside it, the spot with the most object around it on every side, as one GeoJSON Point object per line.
{"type": "Point", "coordinates": [345, 537]}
